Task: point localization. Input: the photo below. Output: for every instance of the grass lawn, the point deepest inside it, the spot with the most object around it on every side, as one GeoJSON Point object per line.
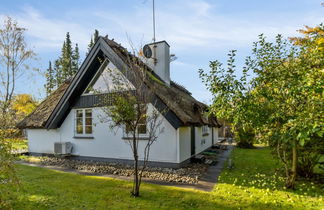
{"type": "Point", "coordinates": [251, 184]}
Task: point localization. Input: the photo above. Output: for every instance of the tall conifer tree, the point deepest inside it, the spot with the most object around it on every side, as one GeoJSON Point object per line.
{"type": "Point", "coordinates": [58, 72]}
{"type": "Point", "coordinates": [50, 79]}
{"type": "Point", "coordinates": [65, 66]}
{"type": "Point", "coordinates": [75, 59]}
{"type": "Point", "coordinates": [66, 59]}
{"type": "Point", "coordinates": [95, 36]}
{"type": "Point", "coordinates": [93, 40]}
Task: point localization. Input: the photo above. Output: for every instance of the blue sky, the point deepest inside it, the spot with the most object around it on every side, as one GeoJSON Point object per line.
{"type": "Point", "coordinates": [198, 30]}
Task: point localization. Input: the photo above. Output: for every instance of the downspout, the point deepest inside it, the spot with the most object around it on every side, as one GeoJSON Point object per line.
{"type": "Point", "coordinates": [178, 145]}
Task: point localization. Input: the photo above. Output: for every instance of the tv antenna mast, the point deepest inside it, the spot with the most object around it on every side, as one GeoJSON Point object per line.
{"type": "Point", "coordinates": [154, 21]}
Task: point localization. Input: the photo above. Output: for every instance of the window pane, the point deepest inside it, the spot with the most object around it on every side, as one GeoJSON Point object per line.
{"type": "Point", "coordinates": [142, 120]}
{"type": "Point", "coordinates": [141, 129]}
{"type": "Point", "coordinates": [88, 113]}
{"type": "Point", "coordinates": [128, 129]}
{"type": "Point", "coordinates": [88, 121]}
{"type": "Point", "coordinates": [88, 129]}
{"type": "Point", "coordinates": [79, 122]}
{"type": "Point", "coordinates": [79, 113]}
{"type": "Point", "coordinates": [79, 129]}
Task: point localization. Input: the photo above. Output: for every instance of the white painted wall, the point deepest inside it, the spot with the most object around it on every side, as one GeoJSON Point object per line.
{"type": "Point", "coordinates": [202, 142]}
{"type": "Point", "coordinates": [173, 146]}
{"type": "Point", "coordinates": [106, 143]}
{"type": "Point", "coordinates": [42, 140]}
{"type": "Point", "coordinates": [185, 143]}
{"type": "Point", "coordinates": [215, 135]}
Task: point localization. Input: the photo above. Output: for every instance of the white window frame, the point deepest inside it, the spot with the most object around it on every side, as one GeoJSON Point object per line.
{"type": "Point", "coordinates": [141, 135]}
{"type": "Point", "coordinates": [83, 134]}
{"type": "Point", "coordinates": [205, 130]}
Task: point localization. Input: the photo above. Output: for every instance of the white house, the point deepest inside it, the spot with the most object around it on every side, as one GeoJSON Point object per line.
{"type": "Point", "coordinates": [72, 112]}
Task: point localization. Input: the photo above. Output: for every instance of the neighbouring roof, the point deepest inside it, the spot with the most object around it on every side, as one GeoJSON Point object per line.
{"type": "Point", "coordinates": [181, 105]}
{"type": "Point", "coordinates": [40, 115]}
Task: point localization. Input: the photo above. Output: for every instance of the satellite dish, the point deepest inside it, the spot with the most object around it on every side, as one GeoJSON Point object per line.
{"type": "Point", "coordinates": [173, 57]}
{"type": "Point", "coordinates": [147, 51]}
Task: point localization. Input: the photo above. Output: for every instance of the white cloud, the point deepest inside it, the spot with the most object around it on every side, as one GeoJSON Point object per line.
{"type": "Point", "coordinates": [185, 25]}
{"type": "Point", "coordinates": [200, 24]}
{"type": "Point", "coordinates": [47, 33]}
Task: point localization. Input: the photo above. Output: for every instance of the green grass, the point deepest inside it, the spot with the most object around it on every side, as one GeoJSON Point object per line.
{"type": "Point", "coordinates": [249, 185]}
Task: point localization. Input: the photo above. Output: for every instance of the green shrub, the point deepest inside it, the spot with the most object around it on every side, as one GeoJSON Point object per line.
{"type": "Point", "coordinates": [8, 180]}
{"type": "Point", "coordinates": [244, 137]}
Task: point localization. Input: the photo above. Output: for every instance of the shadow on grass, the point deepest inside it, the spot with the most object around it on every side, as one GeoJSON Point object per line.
{"type": "Point", "coordinates": [48, 189]}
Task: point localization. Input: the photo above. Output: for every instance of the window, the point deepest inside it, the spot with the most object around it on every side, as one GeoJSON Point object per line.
{"type": "Point", "coordinates": [83, 124]}
{"type": "Point", "coordinates": [141, 126]}
{"type": "Point", "coordinates": [108, 79]}
{"type": "Point", "coordinates": [205, 130]}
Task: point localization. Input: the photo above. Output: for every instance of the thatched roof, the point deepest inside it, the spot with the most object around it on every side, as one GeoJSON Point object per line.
{"type": "Point", "coordinates": [175, 97]}
{"type": "Point", "coordinates": [40, 115]}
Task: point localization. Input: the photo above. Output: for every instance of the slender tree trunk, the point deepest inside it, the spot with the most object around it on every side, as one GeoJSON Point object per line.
{"type": "Point", "coordinates": [136, 179]}
{"type": "Point", "coordinates": [293, 173]}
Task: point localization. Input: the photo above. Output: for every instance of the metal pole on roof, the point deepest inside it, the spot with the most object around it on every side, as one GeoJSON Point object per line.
{"type": "Point", "coordinates": [153, 21]}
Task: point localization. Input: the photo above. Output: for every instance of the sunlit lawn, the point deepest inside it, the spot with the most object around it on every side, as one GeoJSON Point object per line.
{"type": "Point", "coordinates": [251, 184]}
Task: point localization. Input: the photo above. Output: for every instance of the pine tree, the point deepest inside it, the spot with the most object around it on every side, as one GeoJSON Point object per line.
{"type": "Point", "coordinates": [65, 66]}
{"type": "Point", "coordinates": [95, 36]}
{"type": "Point", "coordinates": [75, 59]}
{"type": "Point", "coordinates": [90, 45]}
{"type": "Point", "coordinates": [50, 79]}
{"type": "Point", "coordinates": [66, 59]}
{"type": "Point", "coordinates": [58, 72]}
{"type": "Point", "coordinates": [93, 40]}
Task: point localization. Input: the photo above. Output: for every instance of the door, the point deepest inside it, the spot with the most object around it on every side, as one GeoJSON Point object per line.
{"type": "Point", "coordinates": [212, 135]}
{"type": "Point", "coordinates": [193, 142]}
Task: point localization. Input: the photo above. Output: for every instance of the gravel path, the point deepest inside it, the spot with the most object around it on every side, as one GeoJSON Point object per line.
{"type": "Point", "coordinates": [197, 176]}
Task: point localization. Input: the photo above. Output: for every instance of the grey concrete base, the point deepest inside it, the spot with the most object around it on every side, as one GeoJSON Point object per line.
{"type": "Point", "coordinates": [208, 181]}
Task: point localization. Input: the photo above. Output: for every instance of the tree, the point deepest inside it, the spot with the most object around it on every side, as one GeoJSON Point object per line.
{"type": "Point", "coordinates": [23, 105]}
{"type": "Point", "coordinates": [8, 178]}
{"type": "Point", "coordinates": [50, 79]}
{"type": "Point", "coordinates": [90, 45]}
{"type": "Point", "coordinates": [311, 36]}
{"type": "Point", "coordinates": [66, 58]}
{"type": "Point", "coordinates": [132, 111]}
{"type": "Point", "coordinates": [75, 59]}
{"type": "Point", "coordinates": [65, 67]}
{"type": "Point", "coordinates": [58, 73]}
{"type": "Point", "coordinates": [95, 35]}
{"type": "Point", "coordinates": [93, 40]}
{"type": "Point", "coordinates": [231, 98]}
{"type": "Point", "coordinates": [13, 57]}
{"type": "Point", "coordinates": [313, 42]}
{"type": "Point", "coordinates": [284, 105]}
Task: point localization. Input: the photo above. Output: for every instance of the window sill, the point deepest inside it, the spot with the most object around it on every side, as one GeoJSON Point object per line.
{"type": "Point", "coordinates": [206, 134]}
{"type": "Point", "coordinates": [139, 138]}
{"type": "Point", "coordinates": [83, 137]}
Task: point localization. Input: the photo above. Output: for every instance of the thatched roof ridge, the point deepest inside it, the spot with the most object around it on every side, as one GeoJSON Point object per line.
{"type": "Point", "coordinates": [176, 97]}
{"type": "Point", "coordinates": [40, 115]}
